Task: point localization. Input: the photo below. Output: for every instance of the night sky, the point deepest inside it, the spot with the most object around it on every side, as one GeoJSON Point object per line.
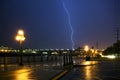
{"type": "Point", "coordinates": [45, 23]}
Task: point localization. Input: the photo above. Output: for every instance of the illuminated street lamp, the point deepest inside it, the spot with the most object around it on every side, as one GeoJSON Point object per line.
{"type": "Point", "coordinates": [86, 48]}
{"type": "Point", "coordinates": [87, 54]}
{"type": "Point", "coordinates": [20, 37]}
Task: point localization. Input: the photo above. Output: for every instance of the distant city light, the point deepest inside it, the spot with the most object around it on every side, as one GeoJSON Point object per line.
{"type": "Point", "coordinates": [56, 49]}
{"type": "Point", "coordinates": [68, 49]}
{"type": "Point", "coordinates": [62, 49]}
{"type": "Point", "coordinates": [110, 56]}
{"type": "Point", "coordinates": [73, 49]}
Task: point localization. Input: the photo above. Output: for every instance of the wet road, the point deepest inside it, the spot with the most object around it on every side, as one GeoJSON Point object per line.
{"type": "Point", "coordinates": [104, 70]}
{"type": "Point", "coordinates": [31, 72]}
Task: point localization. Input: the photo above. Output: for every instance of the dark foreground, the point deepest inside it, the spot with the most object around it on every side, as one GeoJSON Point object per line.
{"type": "Point", "coordinates": [103, 70]}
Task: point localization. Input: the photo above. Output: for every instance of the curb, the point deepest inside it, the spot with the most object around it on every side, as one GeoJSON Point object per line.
{"type": "Point", "coordinates": [62, 73]}
{"type": "Point", "coordinates": [59, 75]}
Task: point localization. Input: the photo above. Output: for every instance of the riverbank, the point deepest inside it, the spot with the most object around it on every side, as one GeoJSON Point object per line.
{"type": "Point", "coordinates": [104, 59]}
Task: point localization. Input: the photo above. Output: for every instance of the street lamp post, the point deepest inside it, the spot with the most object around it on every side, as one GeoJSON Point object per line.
{"type": "Point", "coordinates": [20, 37]}
{"type": "Point", "coordinates": [86, 48]}
{"type": "Point", "coordinates": [87, 54]}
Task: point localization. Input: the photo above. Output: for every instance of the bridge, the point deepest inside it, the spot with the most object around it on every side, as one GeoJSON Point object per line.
{"type": "Point", "coordinates": [35, 55]}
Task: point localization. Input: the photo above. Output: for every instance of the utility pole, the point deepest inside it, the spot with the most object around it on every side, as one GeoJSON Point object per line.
{"type": "Point", "coordinates": [96, 45]}
{"type": "Point", "coordinates": [117, 34]}
{"type": "Point", "coordinates": [117, 41]}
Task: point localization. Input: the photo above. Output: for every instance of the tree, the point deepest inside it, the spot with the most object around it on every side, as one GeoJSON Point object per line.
{"type": "Point", "coordinates": [115, 49]}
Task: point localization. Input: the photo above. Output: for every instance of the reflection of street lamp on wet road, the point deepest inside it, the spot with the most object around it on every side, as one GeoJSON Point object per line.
{"type": "Point", "coordinates": [20, 37]}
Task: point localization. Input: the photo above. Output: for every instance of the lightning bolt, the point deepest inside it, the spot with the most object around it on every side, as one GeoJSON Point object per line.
{"type": "Point", "coordinates": [69, 22]}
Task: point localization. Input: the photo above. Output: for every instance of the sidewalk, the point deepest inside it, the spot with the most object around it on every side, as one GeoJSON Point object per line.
{"type": "Point", "coordinates": [31, 72]}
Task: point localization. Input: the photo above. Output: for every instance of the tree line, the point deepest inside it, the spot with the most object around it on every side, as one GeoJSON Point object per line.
{"type": "Point", "coordinates": [114, 49]}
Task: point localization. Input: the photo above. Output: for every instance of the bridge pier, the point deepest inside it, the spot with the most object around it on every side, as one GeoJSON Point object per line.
{"type": "Point", "coordinates": [5, 60]}
{"type": "Point", "coordinates": [41, 56]}
{"type": "Point", "coordinates": [34, 58]}
{"type": "Point", "coordinates": [28, 58]}
{"type": "Point", "coordinates": [71, 57]}
{"type": "Point", "coordinates": [64, 58]}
